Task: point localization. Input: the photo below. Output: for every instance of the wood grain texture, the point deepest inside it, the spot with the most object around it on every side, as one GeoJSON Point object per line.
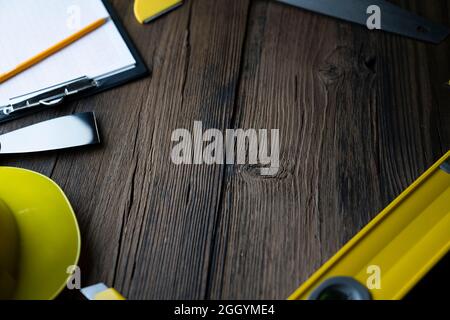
{"type": "Point", "coordinates": [361, 115]}
{"type": "Point", "coordinates": [358, 120]}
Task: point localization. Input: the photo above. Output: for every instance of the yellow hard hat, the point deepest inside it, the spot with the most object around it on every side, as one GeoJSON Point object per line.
{"type": "Point", "coordinates": [39, 236]}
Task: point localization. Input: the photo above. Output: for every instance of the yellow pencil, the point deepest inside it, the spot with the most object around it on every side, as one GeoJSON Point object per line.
{"type": "Point", "coordinates": [52, 50]}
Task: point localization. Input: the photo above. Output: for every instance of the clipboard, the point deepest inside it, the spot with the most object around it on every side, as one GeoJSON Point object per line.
{"type": "Point", "coordinates": [80, 87]}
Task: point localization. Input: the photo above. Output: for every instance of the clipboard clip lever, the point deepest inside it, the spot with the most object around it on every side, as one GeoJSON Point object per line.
{"type": "Point", "coordinates": [49, 98]}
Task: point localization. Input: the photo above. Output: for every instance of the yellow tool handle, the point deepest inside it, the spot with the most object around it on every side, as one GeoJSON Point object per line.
{"type": "Point", "coordinates": [109, 294]}
{"type": "Point", "coordinates": [148, 10]}
{"type": "Point", "coordinates": [100, 291]}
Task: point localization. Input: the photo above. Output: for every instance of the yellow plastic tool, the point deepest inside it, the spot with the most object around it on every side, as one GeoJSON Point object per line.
{"type": "Point", "coordinates": [148, 10]}
{"type": "Point", "coordinates": [100, 291]}
{"type": "Point", "coordinates": [109, 294]}
{"type": "Point", "coordinates": [405, 241]}
{"type": "Point", "coordinates": [40, 238]}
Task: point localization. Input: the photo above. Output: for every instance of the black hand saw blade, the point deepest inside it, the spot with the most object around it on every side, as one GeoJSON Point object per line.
{"type": "Point", "coordinates": [393, 18]}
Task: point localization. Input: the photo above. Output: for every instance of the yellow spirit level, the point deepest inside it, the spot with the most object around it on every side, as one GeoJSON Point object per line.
{"type": "Point", "coordinates": [403, 243]}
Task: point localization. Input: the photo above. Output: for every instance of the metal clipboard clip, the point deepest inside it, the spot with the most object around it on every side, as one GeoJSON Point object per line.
{"type": "Point", "coordinates": [51, 97]}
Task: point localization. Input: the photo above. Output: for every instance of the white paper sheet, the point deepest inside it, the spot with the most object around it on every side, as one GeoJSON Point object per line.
{"type": "Point", "coordinates": [28, 27]}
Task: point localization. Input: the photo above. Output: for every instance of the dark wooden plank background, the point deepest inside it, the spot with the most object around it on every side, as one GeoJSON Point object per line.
{"type": "Point", "coordinates": [361, 115]}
